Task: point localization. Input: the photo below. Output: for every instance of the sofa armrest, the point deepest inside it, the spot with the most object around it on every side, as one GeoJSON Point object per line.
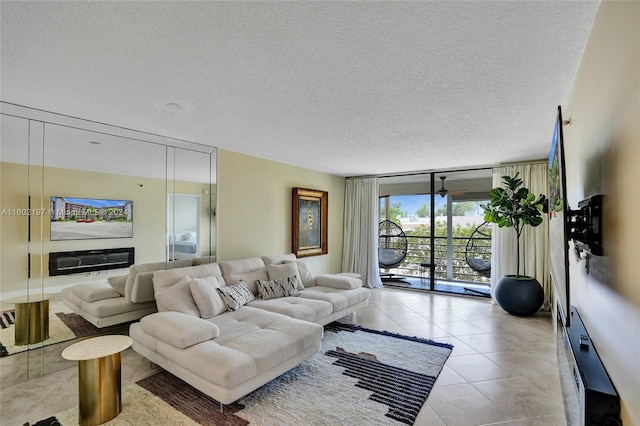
{"type": "Point", "coordinates": [142, 289]}
{"type": "Point", "coordinates": [179, 330]}
{"type": "Point", "coordinates": [94, 291]}
{"type": "Point", "coordinates": [338, 281]}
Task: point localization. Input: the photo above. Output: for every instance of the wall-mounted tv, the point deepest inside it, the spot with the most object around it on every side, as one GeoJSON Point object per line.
{"type": "Point", "coordinates": [559, 221]}
{"type": "Point", "coordinates": [75, 218]}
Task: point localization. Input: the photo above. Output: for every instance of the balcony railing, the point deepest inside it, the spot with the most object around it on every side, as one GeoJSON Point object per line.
{"type": "Point", "coordinates": [449, 264]}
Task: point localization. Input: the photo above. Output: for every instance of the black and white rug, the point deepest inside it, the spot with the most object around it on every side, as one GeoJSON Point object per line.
{"type": "Point", "coordinates": [359, 377]}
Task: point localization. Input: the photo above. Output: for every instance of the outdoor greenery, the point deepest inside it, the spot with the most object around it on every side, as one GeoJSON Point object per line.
{"type": "Point", "coordinates": [419, 240]}
{"type": "Point", "coordinates": [419, 245]}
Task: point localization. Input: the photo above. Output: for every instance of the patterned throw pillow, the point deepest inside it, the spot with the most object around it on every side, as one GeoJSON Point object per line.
{"type": "Point", "coordinates": [282, 287]}
{"type": "Point", "coordinates": [236, 295]}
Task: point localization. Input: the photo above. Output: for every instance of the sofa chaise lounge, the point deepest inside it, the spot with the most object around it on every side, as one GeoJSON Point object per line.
{"type": "Point", "coordinates": [231, 327]}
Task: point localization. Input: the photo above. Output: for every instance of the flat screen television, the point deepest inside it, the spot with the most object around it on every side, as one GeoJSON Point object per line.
{"type": "Point", "coordinates": [559, 221]}
{"type": "Point", "coordinates": [75, 218]}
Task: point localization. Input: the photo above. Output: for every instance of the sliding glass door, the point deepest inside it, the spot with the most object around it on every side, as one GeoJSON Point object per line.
{"type": "Point", "coordinates": [441, 218]}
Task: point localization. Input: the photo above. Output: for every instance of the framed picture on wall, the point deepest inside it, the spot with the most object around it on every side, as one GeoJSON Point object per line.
{"type": "Point", "coordinates": [309, 222]}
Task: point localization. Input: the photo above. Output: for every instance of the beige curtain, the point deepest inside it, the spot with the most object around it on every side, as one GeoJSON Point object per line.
{"type": "Point", "coordinates": [360, 247]}
{"type": "Point", "coordinates": [534, 242]}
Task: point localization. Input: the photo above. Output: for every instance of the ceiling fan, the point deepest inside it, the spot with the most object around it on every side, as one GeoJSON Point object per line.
{"type": "Point", "coordinates": [443, 191]}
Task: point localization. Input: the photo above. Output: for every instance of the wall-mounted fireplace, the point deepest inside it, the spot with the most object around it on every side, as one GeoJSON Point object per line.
{"type": "Point", "coordinates": [81, 261]}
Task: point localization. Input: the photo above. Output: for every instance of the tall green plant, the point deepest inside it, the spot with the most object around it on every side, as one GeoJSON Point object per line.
{"type": "Point", "coordinates": [513, 206]}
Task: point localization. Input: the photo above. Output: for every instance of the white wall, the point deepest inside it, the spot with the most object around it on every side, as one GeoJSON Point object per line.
{"type": "Point", "coordinates": [603, 151]}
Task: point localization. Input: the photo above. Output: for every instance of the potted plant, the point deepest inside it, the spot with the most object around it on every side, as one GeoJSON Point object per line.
{"type": "Point", "coordinates": [513, 206]}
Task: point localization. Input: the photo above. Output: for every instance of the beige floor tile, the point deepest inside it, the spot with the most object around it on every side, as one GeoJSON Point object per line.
{"type": "Point", "coordinates": [426, 331]}
{"type": "Point", "coordinates": [519, 399]}
{"type": "Point", "coordinates": [477, 368]}
{"type": "Point", "coordinates": [428, 417]}
{"type": "Point", "coordinates": [448, 377]}
{"type": "Point", "coordinates": [464, 405]}
{"type": "Point", "coordinates": [486, 342]}
{"type": "Point", "coordinates": [459, 328]}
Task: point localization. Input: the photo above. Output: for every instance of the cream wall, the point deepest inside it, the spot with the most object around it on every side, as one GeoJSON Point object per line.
{"type": "Point", "coordinates": [602, 147]}
{"type": "Point", "coordinates": [254, 214]}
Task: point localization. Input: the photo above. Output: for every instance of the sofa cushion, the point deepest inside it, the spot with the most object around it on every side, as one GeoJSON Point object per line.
{"type": "Point", "coordinates": [117, 282]}
{"type": "Point", "coordinates": [236, 295]}
{"type": "Point", "coordinates": [142, 290]}
{"type": "Point", "coordinates": [296, 307]}
{"type": "Point", "coordinates": [248, 270]}
{"type": "Point", "coordinates": [208, 300]}
{"type": "Point", "coordinates": [304, 272]}
{"type": "Point", "coordinates": [93, 291]}
{"type": "Point", "coordinates": [177, 298]}
{"type": "Point", "coordinates": [340, 299]}
{"type": "Point", "coordinates": [338, 281]}
{"type": "Point", "coordinates": [285, 270]}
{"type": "Point", "coordinates": [178, 329]}
{"type": "Point", "coordinates": [167, 278]}
{"type": "Point", "coordinates": [282, 287]}
{"type": "Point", "coordinates": [147, 267]}
{"type": "Point", "coordinates": [203, 260]}
{"type": "Point", "coordinates": [278, 259]}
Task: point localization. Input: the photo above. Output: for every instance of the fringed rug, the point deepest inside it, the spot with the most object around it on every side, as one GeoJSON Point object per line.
{"type": "Point", "coordinates": [359, 377]}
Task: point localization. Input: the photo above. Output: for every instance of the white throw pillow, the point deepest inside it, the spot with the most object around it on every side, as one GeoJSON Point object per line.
{"type": "Point", "coordinates": [304, 272]}
{"type": "Point", "coordinates": [236, 295]}
{"type": "Point", "coordinates": [177, 298]}
{"type": "Point", "coordinates": [285, 270]}
{"type": "Point", "coordinates": [179, 330]}
{"type": "Point", "coordinates": [207, 299]}
{"type": "Point", "coordinates": [282, 287]}
{"type": "Point", "coordinates": [117, 282]}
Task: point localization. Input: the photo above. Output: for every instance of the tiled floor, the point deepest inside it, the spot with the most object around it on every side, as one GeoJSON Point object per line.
{"type": "Point", "coordinates": [502, 370]}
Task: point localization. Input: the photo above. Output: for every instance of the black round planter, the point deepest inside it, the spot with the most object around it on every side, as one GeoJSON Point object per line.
{"type": "Point", "coordinates": [519, 295]}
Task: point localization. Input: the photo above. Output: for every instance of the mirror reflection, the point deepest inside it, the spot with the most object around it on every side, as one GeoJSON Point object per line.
{"type": "Point", "coordinates": [104, 201]}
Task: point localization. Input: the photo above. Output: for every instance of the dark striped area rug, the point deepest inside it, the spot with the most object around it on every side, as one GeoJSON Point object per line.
{"type": "Point", "coordinates": [360, 377]}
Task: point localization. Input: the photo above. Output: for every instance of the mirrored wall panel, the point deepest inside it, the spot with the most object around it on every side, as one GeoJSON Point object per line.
{"type": "Point", "coordinates": [81, 202]}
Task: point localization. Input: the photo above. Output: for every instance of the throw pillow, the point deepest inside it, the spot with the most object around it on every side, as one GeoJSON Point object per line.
{"type": "Point", "coordinates": [117, 283]}
{"type": "Point", "coordinates": [208, 300]}
{"type": "Point", "coordinates": [236, 295]}
{"type": "Point", "coordinates": [285, 270]}
{"type": "Point", "coordinates": [177, 298]}
{"type": "Point", "coordinates": [304, 272]}
{"type": "Point", "coordinates": [282, 287]}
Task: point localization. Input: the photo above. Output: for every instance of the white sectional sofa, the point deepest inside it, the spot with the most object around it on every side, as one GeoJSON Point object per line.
{"type": "Point", "coordinates": [229, 328]}
{"type": "Point", "coordinates": [122, 298]}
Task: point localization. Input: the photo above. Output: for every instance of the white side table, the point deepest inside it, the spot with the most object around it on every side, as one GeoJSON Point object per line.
{"type": "Point", "coordinates": [99, 377]}
{"type": "Point", "coordinates": [32, 318]}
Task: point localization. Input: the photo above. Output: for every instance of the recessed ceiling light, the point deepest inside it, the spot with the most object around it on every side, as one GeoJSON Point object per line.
{"type": "Point", "coordinates": [173, 105]}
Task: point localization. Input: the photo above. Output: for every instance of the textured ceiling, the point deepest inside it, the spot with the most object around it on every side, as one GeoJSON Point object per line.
{"type": "Point", "coordinates": [348, 88]}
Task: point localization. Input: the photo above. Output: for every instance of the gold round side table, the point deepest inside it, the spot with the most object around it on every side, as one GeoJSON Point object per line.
{"type": "Point", "coordinates": [32, 318]}
{"type": "Point", "coordinates": [99, 377]}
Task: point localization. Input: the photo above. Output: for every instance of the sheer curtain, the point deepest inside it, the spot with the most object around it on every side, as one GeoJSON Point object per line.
{"type": "Point", "coordinates": [534, 242]}
{"type": "Point", "coordinates": [360, 248]}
